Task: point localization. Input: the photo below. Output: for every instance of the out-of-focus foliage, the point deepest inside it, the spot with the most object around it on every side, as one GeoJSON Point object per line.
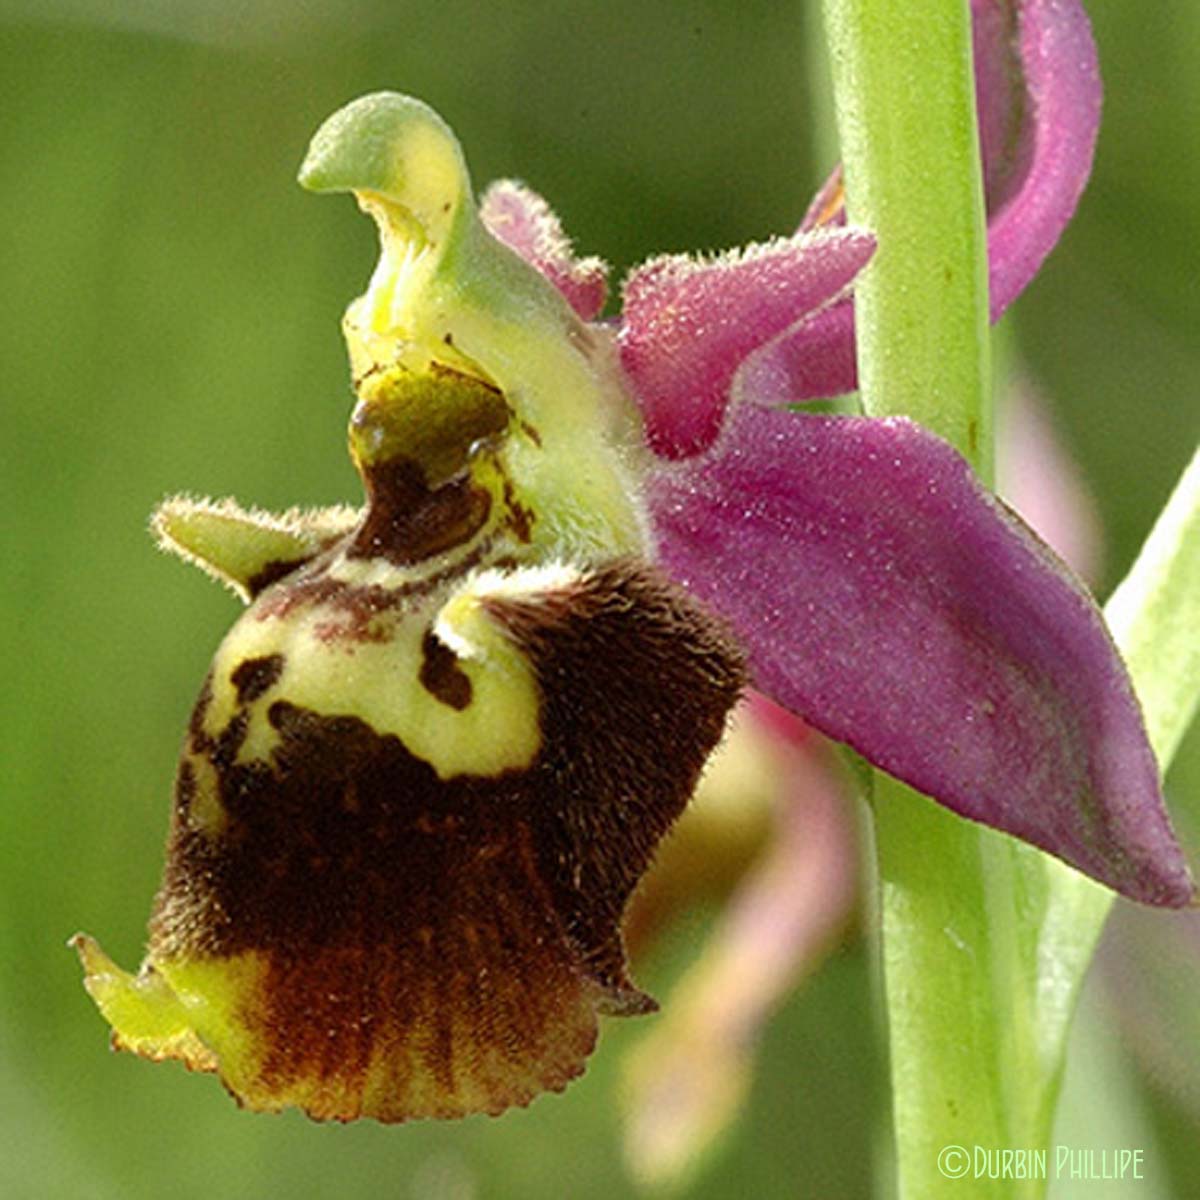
{"type": "Point", "coordinates": [169, 321]}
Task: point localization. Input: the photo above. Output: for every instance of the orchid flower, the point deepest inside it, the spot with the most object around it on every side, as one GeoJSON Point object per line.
{"type": "Point", "coordinates": [432, 759]}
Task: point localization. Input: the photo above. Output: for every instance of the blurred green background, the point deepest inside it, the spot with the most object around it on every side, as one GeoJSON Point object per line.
{"type": "Point", "coordinates": [170, 322]}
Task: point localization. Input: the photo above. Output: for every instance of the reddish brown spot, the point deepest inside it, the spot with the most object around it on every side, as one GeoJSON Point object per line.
{"type": "Point", "coordinates": [371, 371]}
{"type": "Point", "coordinates": [224, 748]}
{"type": "Point", "coordinates": [440, 674]}
{"type": "Point", "coordinates": [359, 604]}
{"type": "Point", "coordinates": [520, 519]}
{"type": "Point", "coordinates": [200, 708]}
{"type": "Point", "coordinates": [355, 630]}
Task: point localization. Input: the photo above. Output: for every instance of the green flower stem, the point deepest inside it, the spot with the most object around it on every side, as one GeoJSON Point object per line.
{"type": "Point", "coordinates": [956, 964]}
{"type": "Point", "coordinates": [985, 941]}
{"type": "Point", "coordinates": [905, 97]}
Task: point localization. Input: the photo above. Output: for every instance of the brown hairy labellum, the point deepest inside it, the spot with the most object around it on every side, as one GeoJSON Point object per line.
{"type": "Point", "coordinates": [436, 946]}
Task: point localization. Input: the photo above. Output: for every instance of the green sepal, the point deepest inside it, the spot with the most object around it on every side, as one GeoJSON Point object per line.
{"type": "Point", "coordinates": [246, 549]}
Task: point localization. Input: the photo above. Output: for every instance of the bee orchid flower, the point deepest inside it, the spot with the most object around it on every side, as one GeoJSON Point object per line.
{"type": "Point", "coordinates": [434, 756]}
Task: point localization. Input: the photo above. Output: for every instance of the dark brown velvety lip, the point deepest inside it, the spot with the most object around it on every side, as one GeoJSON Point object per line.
{"type": "Point", "coordinates": [471, 924]}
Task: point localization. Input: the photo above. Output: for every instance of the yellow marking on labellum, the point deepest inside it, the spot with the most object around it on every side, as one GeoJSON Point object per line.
{"type": "Point", "coordinates": [213, 991]}
{"type": "Point", "coordinates": [378, 573]}
{"type": "Point", "coordinates": [375, 676]}
{"type": "Point", "coordinates": [185, 1009]}
{"type": "Point", "coordinates": [465, 626]}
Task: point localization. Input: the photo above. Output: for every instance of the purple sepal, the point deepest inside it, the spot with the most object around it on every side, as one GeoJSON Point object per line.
{"type": "Point", "coordinates": [889, 600]}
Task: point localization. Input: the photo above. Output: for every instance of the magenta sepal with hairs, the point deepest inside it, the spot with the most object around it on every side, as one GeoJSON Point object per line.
{"type": "Point", "coordinates": [896, 605]}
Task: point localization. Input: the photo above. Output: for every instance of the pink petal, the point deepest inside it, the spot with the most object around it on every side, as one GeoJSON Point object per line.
{"type": "Point", "coordinates": [1038, 98]}
{"type": "Point", "coordinates": [687, 324]}
{"type": "Point", "coordinates": [814, 359]}
{"type": "Point", "coordinates": [887, 599]}
{"type": "Point", "coordinates": [524, 222]}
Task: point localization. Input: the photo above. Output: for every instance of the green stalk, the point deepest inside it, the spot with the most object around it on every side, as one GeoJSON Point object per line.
{"type": "Point", "coordinates": [905, 97]}
{"type": "Point", "coordinates": [904, 91]}
{"type": "Point", "coordinates": [985, 941]}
